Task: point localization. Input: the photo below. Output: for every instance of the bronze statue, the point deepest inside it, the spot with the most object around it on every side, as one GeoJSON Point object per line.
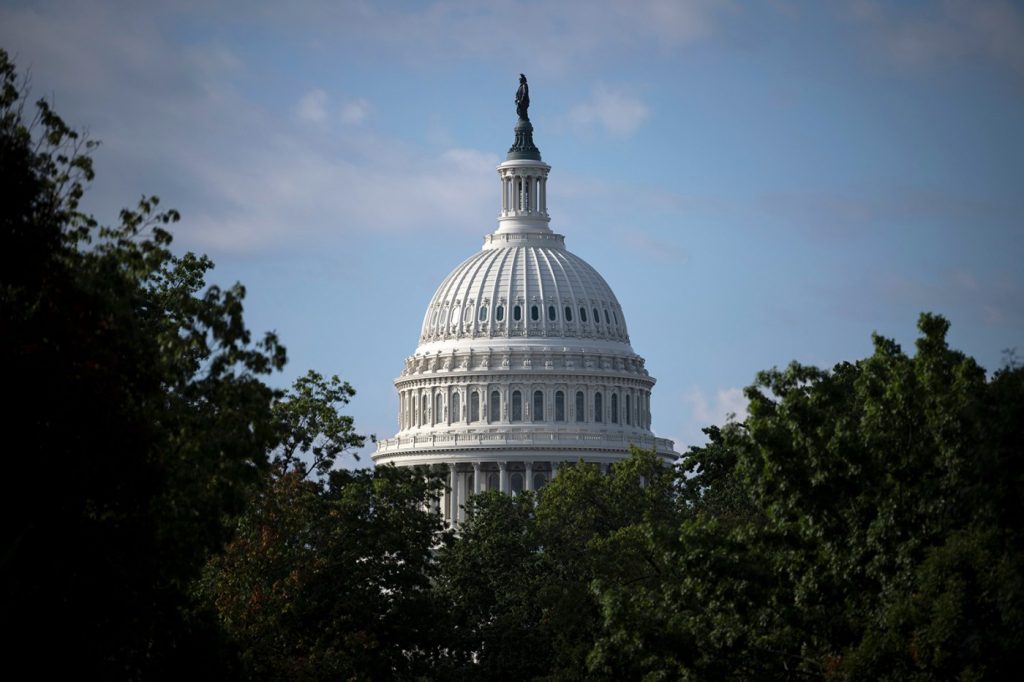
{"type": "Point", "coordinates": [523, 98]}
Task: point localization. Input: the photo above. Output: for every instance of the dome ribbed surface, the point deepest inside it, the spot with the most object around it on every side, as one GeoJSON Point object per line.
{"type": "Point", "coordinates": [517, 291]}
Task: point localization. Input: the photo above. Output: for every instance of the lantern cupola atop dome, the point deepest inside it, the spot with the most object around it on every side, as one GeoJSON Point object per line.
{"type": "Point", "coordinates": [524, 177]}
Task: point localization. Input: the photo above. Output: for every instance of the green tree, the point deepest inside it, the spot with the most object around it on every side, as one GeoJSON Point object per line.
{"type": "Point", "coordinates": [860, 524]}
{"type": "Point", "coordinates": [525, 574]}
{"type": "Point", "coordinates": [492, 576]}
{"type": "Point", "coordinates": [330, 578]}
{"type": "Point", "coordinates": [138, 404]}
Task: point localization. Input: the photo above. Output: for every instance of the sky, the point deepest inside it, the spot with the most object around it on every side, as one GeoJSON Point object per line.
{"type": "Point", "coordinates": [758, 182]}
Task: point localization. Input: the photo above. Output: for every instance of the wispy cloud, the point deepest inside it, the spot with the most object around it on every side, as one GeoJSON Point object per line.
{"type": "Point", "coordinates": [355, 111]}
{"type": "Point", "coordinates": [705, 410]}
{"type": "Point", "coordinates": [246, 179]}
{"type": "Point", "coordinates": [317, 107]}
{"type": "Point", "coordinates": [929, 34]}
{"type": "Point", "coordinates": [617, 111]}
{"type": "Point", "coordinates": [991, 299]}
{"type": "Point", "coordinates": [312, 107]}
{"type": "Point", "coordinates": [557, 36]}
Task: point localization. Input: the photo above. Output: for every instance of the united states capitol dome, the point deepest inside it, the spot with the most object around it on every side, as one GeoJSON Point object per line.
{"type": "Point", "coordinates": [523, 286]}
{"type": "Point", "coordinates": [524, 361]}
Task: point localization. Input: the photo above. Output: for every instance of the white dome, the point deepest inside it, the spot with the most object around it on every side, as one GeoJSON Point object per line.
{"type": "Point", "coordinates": [523, 361]}
{"type": "Point", "coordinates": [523, 286]}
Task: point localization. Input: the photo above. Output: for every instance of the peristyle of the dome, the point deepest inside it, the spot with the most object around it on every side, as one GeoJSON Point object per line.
{"type": "Point", "coordinates": [524, 360]}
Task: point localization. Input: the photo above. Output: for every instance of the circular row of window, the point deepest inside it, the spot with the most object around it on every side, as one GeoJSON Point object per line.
{"type": "Point", "coordinates": [517, 315]}
{"type": "Point", "coordinates": [634, 410]}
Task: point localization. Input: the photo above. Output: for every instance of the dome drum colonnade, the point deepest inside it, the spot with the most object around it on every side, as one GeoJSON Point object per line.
{"type": "Point", "coordinates": [524, 360]}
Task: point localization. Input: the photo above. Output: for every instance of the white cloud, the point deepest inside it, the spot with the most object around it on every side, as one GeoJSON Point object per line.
{"type": "Point", "coordinates": [727, 401]}
{"type": "Point", "coordinates": [618, 112]}
{"type": "Point", "coordinates": [245, 178]}
{"type": "Point", "coordinates": [355, 111]}
{"type": "Point", "coordinates": [558, 37]}
{"type": "Point", "coordinates": [315, 107]}
{"type": "Point", "coordinates": [312, 107]}
{"type": "Point", "coordinates": [705, 410]}
{"type": "Point", "coordinates": [932, 33]}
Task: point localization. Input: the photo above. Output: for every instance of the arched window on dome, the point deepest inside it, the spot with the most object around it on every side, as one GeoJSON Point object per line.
{"type": "Point", "coordinates": [629, 409]}
{"type": "Point", "coordinates": [517, 313]}
{"type": "Point", "coordinates": [425, 408]}
{"type": "Point", "coordinates": [499, 313]}
{"type": "Point", "coordinates": [568, 314]}
{"type": "Point", "coordinates": [615, 408]}
{"type": "Point", "coordinates": [615, 316]}
{"type": "Point", "coordinates": [538, 406]}
{"type": "Point", "coordinates": [467, 314]}
{"type": "Point", "coordinates": [438, 409]}
{"type": "Point", "coordinates": [597, 318]}
{"type": "Point", "coordinates": [456, 408]}
{"type": "Point", "coordinates": [483, 313]}
{"type": "Point", "coordinates": [474, 406]}
{"type": "Point", "coordinates": [495, 407]}
{"type": "Point", "coordinates": [552, 313]}
{"type": "Point", "coordinates": [517, 406]}
{"type": "Point", "coordinates": [559, 406]}
{"type": "Point", "coordinates": [583, 314]}
{"type": "Point", "coordinates": [581, 408]}
{"type": "Point", "coordinates": [607, 320]}
{"type": "Point", "coordinates": [534, 313]}
{"type": "Point", "coordinates": [517, 482]}
{"type": "Point", "coordinates": [598, 407]}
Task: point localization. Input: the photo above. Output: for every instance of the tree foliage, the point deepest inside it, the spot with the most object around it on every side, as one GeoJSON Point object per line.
{"type": "Point", "coordinates": [330, 578]}
{"type": "Point", "coordinates": [859, 524]}
{"type": "Point", "coordinates": [139, 402]}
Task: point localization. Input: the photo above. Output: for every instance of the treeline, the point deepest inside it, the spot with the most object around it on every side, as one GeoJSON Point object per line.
{"type": "Point", "coordinates": [174, 516]}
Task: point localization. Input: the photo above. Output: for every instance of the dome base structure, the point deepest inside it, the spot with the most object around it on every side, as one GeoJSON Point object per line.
{"type": "Point", "coordinates": [524, 361]}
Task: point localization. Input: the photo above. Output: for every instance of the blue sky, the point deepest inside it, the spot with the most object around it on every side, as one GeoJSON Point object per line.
{"type": "Point", "coordinates": [758, 182]}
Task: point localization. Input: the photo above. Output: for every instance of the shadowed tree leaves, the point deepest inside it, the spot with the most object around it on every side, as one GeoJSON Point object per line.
{"type": "Point", "coordinates": [313, 432]}
{"type": "Point", "coordinates": [139, 406]}
{"type": "Point", "coordinates": [860, 524]}
{"type": "Point", "coordinates": [330, 579]}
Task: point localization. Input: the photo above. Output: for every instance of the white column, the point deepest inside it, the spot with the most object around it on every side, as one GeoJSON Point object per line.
{"type": "Point", "coordinates": [528, 482]}
{"type": "Point", "coordinates": [461, 515]}
{"type": "Point", "coordinates": [453, 500]}
{"type": "Point", "coordinates": [554, 469]}
{"type": "Point", "coordinates": [503, 485]}
{"type": "Point", "coordinates": [476, 477]}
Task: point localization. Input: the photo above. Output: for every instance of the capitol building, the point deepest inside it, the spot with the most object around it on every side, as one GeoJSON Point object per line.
{"type": "Point", "coordinates": [524, 360]}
